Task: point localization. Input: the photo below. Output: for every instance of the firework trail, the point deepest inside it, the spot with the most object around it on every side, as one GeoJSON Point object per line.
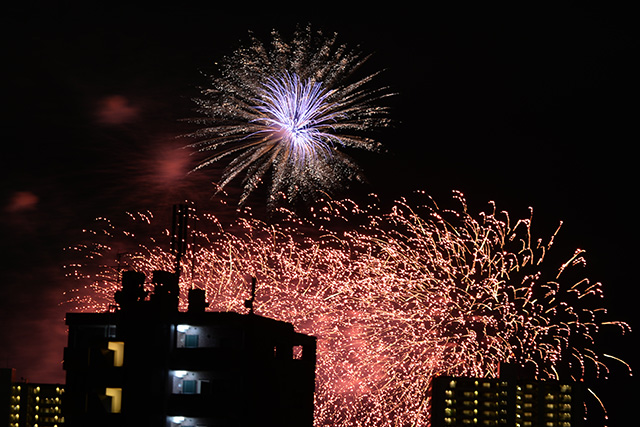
{"type": "Point", "coordinates": [407, 294]}
{"type": "Point", "coordinates": [289, 109]}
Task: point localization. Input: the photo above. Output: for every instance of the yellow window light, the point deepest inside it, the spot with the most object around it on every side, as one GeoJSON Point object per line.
{"type": "Point", "coordinates": [116, 399]}
{"type": "Point", "coordinates": [118, 352]}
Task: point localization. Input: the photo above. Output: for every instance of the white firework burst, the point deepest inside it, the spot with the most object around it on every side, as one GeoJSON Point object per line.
{"type": "Point", "coordinates": [289, 109]}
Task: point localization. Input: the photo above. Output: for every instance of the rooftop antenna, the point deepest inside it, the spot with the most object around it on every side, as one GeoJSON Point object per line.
{"type": "Point", "coordinates": [180, 233]}
{"type": "Point", "coordinates": [249, 303]}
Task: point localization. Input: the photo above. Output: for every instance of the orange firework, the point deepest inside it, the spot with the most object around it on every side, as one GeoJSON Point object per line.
{"type": "Point", "coordinates": [394, 297]}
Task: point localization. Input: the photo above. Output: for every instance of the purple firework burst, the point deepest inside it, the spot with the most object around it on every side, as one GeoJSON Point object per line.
{"type": "Point", "coordinates": [289, 109]}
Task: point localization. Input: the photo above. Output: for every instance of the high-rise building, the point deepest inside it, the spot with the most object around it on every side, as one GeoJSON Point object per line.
{"type": "Point", "coordinates": [6, 381]}
{"type": "Point", "coordinates": [507, 401]}
{"type": "Point", "coordinates": [25, 404]}
{"type": "Point", "coordinates": [147, 363]}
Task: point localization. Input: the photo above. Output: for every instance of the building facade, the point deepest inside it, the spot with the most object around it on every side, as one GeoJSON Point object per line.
{"type": "Point", "coordinates": [146, 363]}
{"type": "Point", "coordinates": [25, 404]}
{"type": "Point", "coordinates": [462, 401]}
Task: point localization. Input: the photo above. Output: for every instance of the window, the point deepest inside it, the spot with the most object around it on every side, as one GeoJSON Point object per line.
{"type": "Point", "coordinates": [297, 352]}
{"type": "Point", "coordinates": [116, 399]}
{"type": "Point", "coordinates": [189, 386]}
{"type": "Point", "coordinates": [189, 382]}
{"type": "Point", "coordinates": [189, 336]}
{"type": "Point", "coordinates": [110, 331]}
{"type": "Point", "coordinates": [118, 352]}
{"type": "Point", "coordinates": [191, 341]}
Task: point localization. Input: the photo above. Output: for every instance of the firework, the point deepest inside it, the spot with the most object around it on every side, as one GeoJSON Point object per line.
{"type": "Point", "coordinates": [409, 293]}
{"type": "Point", "coordinates": [289, 109]}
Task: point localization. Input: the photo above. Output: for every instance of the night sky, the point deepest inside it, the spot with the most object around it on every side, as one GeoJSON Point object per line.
{"type": "Point", "coordinates": [526, 107]}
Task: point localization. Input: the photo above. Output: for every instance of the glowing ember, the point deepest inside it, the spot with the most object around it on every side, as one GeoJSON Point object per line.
{"type": "Point", "coordinates": [406, 295]}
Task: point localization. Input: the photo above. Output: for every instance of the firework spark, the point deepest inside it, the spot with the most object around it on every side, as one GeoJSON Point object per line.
{"type": "Point", "coordinates": [410, 293]}
{"type": "Point", "coordinates": [289, 109]}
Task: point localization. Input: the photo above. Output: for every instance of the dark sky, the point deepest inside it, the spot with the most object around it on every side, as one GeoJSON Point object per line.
{"type": "Point", "coordinates": [526, 107]}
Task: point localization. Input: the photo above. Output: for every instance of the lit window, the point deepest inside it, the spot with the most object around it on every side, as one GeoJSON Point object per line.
{"type": "Point", "coordinates": [118, 352]}
{"type": "Point", "coordinates": [116, 399]}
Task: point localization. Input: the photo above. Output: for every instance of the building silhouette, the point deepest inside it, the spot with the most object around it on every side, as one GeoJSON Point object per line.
{"type": "Point", "coordinates": [506, 401]}
{"type": "Point", "coordinates": [25, 404]}
{"type": "Point", "coordinates": [147, 363]}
